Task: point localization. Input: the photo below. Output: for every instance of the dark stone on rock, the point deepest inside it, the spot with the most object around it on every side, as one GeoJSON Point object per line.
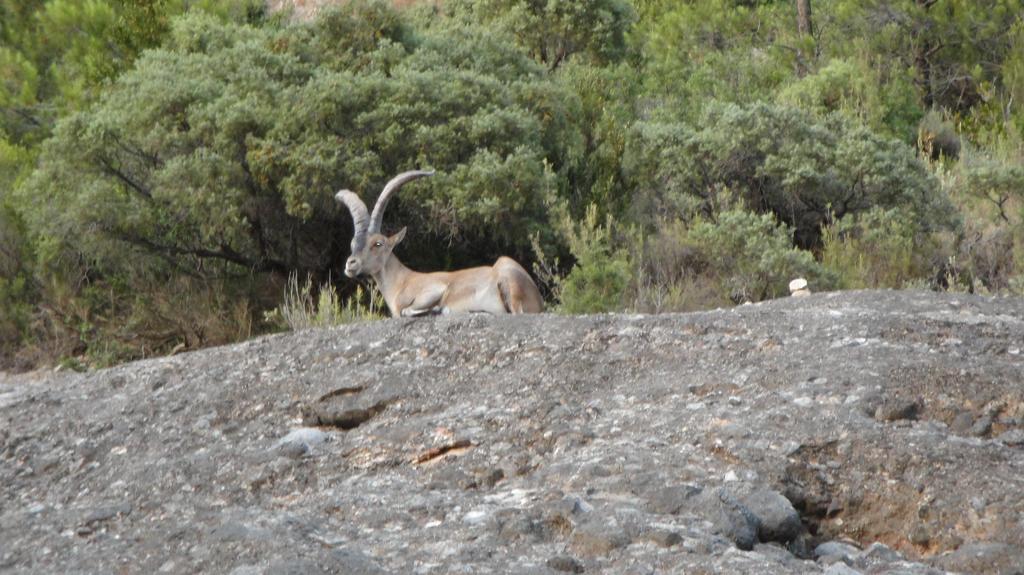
{"type": "Point", "coordinates": [897, 409]}
{"type": "Point", "coordinates": [920, 535]}
{"type": "Point", "coordinates": [777, 520]}
{"type": "Point", "coordinates": [565, 564]}
{"type": "Point", "coordinates": [488, 478]}
{"type": "Point", "coordinates": [730, 518]}
{"type": "Point", "coordinates": [663, 537]}
{"type": "Point", "coordinates": [108, 512]}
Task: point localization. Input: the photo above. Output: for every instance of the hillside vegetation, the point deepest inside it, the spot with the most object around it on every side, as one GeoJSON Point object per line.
{"type": "Point", "coordinates": [166, 167]}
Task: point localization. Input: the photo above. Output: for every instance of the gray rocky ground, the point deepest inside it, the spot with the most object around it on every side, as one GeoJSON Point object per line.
{"type": "Point", "coordinates": [861, 432]}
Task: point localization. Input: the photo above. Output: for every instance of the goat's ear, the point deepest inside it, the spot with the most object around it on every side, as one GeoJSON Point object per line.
{"type": "Point", "coordinates": [393, 240]}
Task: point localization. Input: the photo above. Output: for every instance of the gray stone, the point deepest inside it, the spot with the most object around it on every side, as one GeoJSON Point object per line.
{"type": "Point", "coordinates": [982, 427]}
{"type": "Point", "coordinates": [598, 536]}
{"type": "Point", "coordinates": [1013, 437]}
{"type": "Point", "coordinates": [841, 569]}
{"type": "Point", "coordinates": [671, 499]}
{"type": "Point", "coordinates": [836, 549]}
{"type": "Point", "coordinates": [304, 439]}
{"type": "Point", "coordinates": [730, 518]}
{"type": "Point", "coordinates": [294, 567]}
{"type": "Point", "coordinates": [108, 512]}
{"type": "Point", "coordinates": [777, 520]}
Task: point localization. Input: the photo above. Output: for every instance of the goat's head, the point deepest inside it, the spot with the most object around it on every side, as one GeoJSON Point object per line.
{"type": "Point", "coordinates": [370, 248]}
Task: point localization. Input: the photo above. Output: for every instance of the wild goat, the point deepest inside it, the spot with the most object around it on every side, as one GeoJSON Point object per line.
{"type": "Point", "coordinates": [502, 288]}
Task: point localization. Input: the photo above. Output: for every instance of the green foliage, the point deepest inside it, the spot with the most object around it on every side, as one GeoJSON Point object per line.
{"type": "Point", "coordinates": [716, 50]}
{"type": "Point", "coordinates": [554, 31]}
{"type": "Point", "coordinates": [602, 272]}
{"type": "Point", "coordinates": [753, 256]}
{"type": "Point", "coordinates": [875, 249]}
{"type": "Point", "coordinates": [594, 167]}
{"type": "Point", "coordinates": [853, 88]}
{"type": "Point", "coordinates": [783, 161]}
{"type": "Point", "coordinates": [301, 309]}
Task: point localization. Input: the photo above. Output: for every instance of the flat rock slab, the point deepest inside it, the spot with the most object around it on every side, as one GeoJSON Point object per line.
{"type": "Point", "coordinates": [852, 432]}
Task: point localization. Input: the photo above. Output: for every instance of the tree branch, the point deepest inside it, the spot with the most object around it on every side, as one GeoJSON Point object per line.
{"type": "Point", "coordinates": [109, 168]}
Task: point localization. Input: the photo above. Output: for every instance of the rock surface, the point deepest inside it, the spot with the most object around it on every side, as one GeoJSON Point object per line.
{"type": "Point", "coordinates": [859, 432]}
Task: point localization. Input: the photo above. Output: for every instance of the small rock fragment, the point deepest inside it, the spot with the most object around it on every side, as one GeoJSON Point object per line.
{"type": "Point", "coordinates": [566, 564]}
{"type": "Point", "coordinates": [896, 409]}
{"type": "Point", "coordinates": [962, 423]}
{"type": "Point", "coordinates": [599, 536]}
{"type": "Point", "coordinates": [301, 442]}
{"type": "Point", "coordinates": [1013, 438]}
{"type": "Point", "coordinates": [982, 427]}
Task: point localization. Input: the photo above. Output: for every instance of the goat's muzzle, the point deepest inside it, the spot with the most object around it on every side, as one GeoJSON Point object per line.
{"type": "Point", "coordinates": [353, 266]}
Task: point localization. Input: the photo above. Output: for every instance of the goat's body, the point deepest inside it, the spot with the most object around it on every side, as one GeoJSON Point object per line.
{"type": "Point", "coordinates": [502, 288]}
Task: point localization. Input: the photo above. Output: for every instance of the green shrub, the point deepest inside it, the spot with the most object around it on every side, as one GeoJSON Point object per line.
{"type": "Point", "coordinates": [739, 256]}
{"type": "Point", "coordinates": [754, 257]}
{"type": "Point", "coordinates": [602, 273]}
{"type": "Point", "coordinates": [876, 249]}
{"type": "Point", "coordinates": [853, 88]}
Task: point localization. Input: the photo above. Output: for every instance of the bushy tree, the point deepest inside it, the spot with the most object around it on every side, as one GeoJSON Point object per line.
{"type": "Point", "coordinates": [781, 160]}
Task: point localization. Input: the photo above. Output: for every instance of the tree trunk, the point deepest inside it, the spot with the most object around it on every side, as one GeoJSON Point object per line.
{"type": "Point", "coordinates": [803, 17]}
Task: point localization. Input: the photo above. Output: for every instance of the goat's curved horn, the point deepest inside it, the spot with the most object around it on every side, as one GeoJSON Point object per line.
{"type": "Point", "coordinates": [360, 218]}
{"type": "Point", "coordinates": [377, 218]}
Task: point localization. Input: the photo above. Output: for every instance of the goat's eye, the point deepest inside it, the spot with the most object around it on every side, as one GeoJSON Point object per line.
{"type": "Point", "coordinates": [378, 244]}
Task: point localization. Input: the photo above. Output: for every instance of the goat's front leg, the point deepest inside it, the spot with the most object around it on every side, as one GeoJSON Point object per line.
{"type": "Point", "coordinates": [425, 303]}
